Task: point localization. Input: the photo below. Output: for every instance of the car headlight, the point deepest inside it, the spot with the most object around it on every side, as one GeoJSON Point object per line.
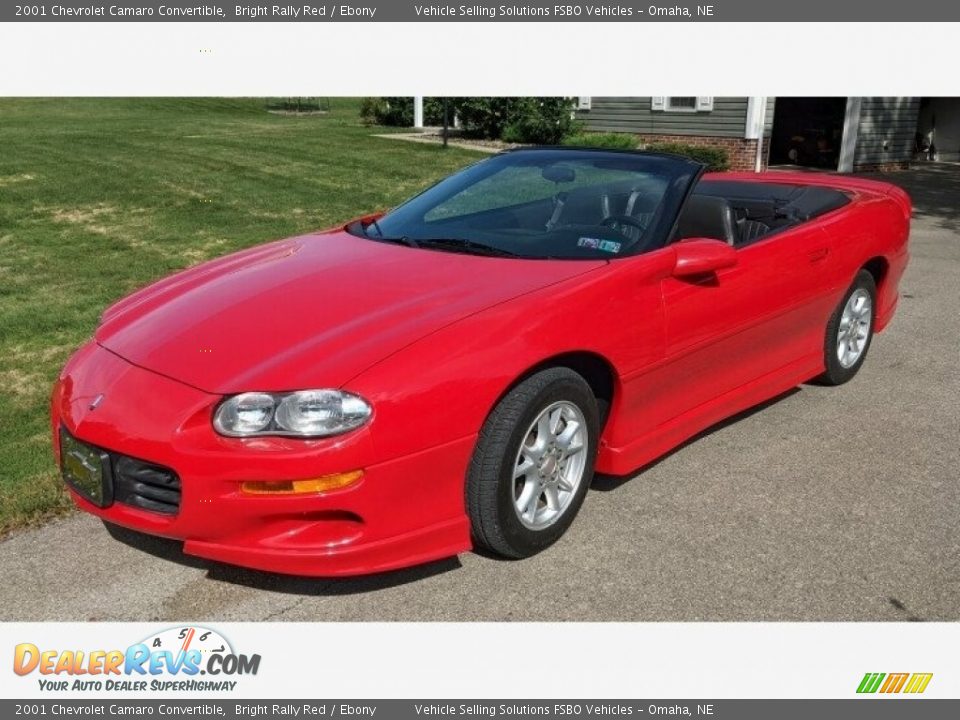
{"type": "Point", "coordinates": [305, 413]}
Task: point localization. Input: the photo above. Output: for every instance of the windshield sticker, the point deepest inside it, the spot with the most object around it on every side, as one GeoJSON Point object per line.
{"type": "Point", "coordinates": [609, 246]}
{"type": "Point", "coordinates": [596, 244]}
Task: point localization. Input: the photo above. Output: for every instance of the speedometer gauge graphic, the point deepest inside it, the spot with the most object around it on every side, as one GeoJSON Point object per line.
{"type": "Point", "coordinates": [181, 639]}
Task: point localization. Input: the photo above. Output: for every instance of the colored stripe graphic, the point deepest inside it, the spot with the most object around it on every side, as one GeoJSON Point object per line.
{"type": "Point", "coordinates": [918, 682]}
{"type": "Point", "coordinates": [870, 682]}
{"type": "Point", "coordinates": [894, 683]}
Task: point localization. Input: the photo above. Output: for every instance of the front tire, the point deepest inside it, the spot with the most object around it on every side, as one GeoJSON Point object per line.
{"type": "Point", "coordinates": [533, 463]}
{"type": "Point", "coordinates": [850, 331]}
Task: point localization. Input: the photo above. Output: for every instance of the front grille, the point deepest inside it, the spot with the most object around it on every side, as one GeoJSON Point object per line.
{"type": "Point", "coordinates": [145, 485]}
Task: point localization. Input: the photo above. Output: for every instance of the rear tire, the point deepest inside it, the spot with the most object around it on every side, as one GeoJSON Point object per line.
{"type": "Point", "coordinates": [533, 463]}
{"type": "Point", "coordinates": [850, 331]}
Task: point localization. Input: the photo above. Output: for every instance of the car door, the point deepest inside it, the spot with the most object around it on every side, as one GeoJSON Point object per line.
{"type": "Point", "coordinates": [752, 326]}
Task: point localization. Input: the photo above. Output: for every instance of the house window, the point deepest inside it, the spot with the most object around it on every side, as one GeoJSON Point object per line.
{"type": "Point", "coordinates": [681, 104]}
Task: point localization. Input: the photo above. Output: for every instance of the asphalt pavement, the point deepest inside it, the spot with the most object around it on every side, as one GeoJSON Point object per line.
{"type": "Point", "coordinates": [824, 504]}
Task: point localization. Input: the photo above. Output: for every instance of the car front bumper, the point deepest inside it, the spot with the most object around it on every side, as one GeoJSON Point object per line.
{"type": "Point", "coordinates": [403, 511]}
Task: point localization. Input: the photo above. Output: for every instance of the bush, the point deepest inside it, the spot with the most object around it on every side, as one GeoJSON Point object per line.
{"type": "Point", "coordinates": [482, 117]}
{"type": "Point", "coordinates": [368, 110]}
{"type": "Point", "coordinates": [392, 111]}
{"type": "Point", "coordinates": [398, 111]}
{"type": "Point", "coordinates": [611, 141]}
{"type": "Point", "coordinates": [433, 111]}
{"type": "Point", "coordinates": [539, 120]}
{"type": "Point", "coordinates": [715, 158]}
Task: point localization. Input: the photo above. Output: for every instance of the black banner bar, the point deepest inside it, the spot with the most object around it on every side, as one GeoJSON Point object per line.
{"type": "Point", "coordinates": [867, 708]}
{"type": "Point", "coordinates": [405, 11]}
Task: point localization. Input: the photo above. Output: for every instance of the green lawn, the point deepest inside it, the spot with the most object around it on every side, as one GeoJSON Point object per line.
{"type": "Point", "coordinates": [100, 196]}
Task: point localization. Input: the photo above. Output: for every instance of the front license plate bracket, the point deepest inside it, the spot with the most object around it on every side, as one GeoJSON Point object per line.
{"type": "Point", "coordinates": [86, 470]}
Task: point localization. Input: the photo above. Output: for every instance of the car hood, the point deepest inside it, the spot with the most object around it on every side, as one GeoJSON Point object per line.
{"type": "Point", "coordinates": [310, 311]}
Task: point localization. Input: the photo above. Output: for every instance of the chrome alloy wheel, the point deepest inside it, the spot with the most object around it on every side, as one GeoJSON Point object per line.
{"type": "Point", "coordinates": [550, 465]}
{"type": "Point", "coordinates": [854, 328]}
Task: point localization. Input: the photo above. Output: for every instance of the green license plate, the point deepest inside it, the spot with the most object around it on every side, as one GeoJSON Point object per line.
{"type": "Point", "coordinates": [86, 469]}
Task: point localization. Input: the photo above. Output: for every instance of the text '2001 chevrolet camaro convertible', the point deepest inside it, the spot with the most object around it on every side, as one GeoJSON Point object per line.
{"type": "Point", "coordinates": [452, 373]}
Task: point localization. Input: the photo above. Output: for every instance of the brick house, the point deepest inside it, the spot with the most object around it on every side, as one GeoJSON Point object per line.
{"type": "Point", "coordinates": [831, 133]}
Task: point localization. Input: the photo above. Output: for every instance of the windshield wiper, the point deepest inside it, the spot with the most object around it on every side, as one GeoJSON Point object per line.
{"type": "Point", "coordinates": [468, 246]}
{"type": "Point", "coordinates": [402, 240]}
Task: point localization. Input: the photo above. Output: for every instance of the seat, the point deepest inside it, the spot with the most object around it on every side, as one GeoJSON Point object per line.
{"type": "Point", "coordinates": [708, 217]}
{"type": "Point", "coordinates": [751, 230]}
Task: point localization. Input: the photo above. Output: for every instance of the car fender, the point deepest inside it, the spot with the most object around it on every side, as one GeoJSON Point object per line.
{"type": "Point", "coordinates": [441, 388]}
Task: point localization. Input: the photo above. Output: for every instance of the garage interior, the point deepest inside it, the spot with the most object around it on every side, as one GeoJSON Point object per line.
{"type": "Point", "coordinates": [938, 129]}
{"type": "Point", "coordinates": [808, 131]}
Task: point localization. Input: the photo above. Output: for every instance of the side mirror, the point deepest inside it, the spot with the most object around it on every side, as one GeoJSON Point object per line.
{"type": "Point", "coordinates": [699, 256]}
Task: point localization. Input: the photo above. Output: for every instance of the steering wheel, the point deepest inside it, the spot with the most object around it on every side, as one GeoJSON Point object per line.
{"type": "Point", "coordinates": [626, 225]}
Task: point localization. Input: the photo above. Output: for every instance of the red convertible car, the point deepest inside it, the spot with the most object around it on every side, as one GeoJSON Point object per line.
{"type": "Point", "coordinates": [453, 372]}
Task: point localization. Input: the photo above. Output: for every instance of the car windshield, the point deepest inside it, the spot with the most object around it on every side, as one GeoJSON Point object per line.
{"type": "Point", "coordinates": [546, 203]}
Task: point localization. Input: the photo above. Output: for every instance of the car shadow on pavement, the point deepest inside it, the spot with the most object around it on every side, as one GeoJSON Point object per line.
{"type": "Point", "coordinates": [172, 551]}
{"type": "Point", "coordinates": [606, 483]}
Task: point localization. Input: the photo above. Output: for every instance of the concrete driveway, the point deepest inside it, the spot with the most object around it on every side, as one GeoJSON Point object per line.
{"type": "Point", "coordinates": [826, 504]}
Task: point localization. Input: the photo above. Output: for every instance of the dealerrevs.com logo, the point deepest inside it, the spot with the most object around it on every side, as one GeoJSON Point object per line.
{"type": "Point", "coordinates": [177, 659]}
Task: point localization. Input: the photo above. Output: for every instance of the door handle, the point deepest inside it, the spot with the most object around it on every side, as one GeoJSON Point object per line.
{"type": "Point", "coordinates": [818, 256]}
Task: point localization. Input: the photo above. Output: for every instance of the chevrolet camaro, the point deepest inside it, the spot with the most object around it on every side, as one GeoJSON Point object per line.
{"type": "Point", "coordinates": [450, 374]}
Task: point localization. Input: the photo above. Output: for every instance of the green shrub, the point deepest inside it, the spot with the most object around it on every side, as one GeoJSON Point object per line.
{"type": "Point", "coordinates": [715, 158]}
{"type": "Point", "coordinates": [482, 117]}
{"type": "Point", "coordinates": [433, 112]}
{"type": "Point", "coordinates": [392, 111]}
{"type": "Point", "coordinates": [398, 111]}
{"type": "Point", "coordinates": [538, 120]}
{"type": "Point", "coordinates": [368, 110]}
{"type": "Point", "coordinates": [612, 141]}
{"type": "Point", "coordinates": [541, 121]}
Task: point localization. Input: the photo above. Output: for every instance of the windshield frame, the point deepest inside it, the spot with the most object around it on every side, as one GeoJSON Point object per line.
{"type": "Point", "coordinates": [679, 175]}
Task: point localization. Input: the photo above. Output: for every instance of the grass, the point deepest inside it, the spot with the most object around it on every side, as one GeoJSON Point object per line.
{"type": "Point", "coordinates": [100, 196]}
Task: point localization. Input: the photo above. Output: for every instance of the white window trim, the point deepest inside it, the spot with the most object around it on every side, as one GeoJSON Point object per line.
{"type": "Point", "coordinates": [704, 104]}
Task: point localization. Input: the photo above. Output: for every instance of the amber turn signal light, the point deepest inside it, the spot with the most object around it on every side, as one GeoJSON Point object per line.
{"type": "Point", "coordinates": [301, 487]}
